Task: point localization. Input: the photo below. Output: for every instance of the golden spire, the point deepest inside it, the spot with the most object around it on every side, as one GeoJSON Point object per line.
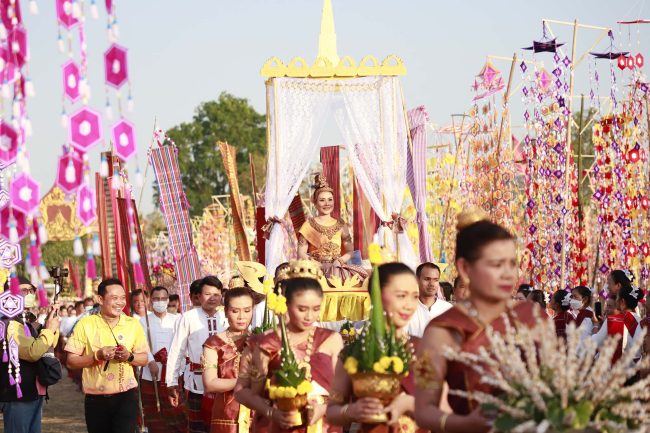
{"type": "Point", "coordinates": [327, 40]}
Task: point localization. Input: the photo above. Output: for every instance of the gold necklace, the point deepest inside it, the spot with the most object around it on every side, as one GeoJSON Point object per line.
{"type": "Point", "coordinates": [231, 342]}
{"type": "Point", "coordinates": [304, 363]}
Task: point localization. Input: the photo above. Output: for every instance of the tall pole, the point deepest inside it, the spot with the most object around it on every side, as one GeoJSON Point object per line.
{"type": "Point", "coordinates": [568, 154]}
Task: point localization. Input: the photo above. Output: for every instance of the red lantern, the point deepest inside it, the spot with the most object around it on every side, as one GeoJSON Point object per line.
{"type": "Point", "coordinates": [629, 203]}
{"type": "Point", "coordinates": [639, 60]}
{"type": "Point", "coordinates": [631, 250]}
{"type": "Point", "coordinates": [621, 62]}
{"type": "Point", "coordinates": [645, 203]}
{"type": "Point", "coordinates": [633, 156]}
{"type": "Point", "coordinates": [629, 61]}
{"type": "Point", "coordinates": [645, 249]}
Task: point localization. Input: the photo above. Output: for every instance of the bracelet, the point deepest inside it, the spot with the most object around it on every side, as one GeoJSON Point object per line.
{"type": "Point", "coordinates": [443, 422]}
{"type": "Point", "coordinates": [269, 413]}
{"type": "Point", "coordinates": [95, 356]}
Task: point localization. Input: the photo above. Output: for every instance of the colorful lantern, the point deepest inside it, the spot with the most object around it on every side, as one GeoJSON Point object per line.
{"type": "Point", "coordinates": [10, 254]}
{"type": "Point", "coordinates": [85, 129]}
{"type": "Point", "coordinates": [11, 306]}
{"type": "Point", "coordinates": [4, 198]}
{"type": "Point", "coordinates": [11, 217]}
{"type": "Point", "coordinates": [639, 60]}
{"type": "Point", "coordinates": [86, 205]}
{"type": "Point", "coordinates": [64, 14]}
{"type": "Point", "coordinates": [17, 41]}
{"type": "Point", "coordinates": [124, 139]}
{"type": "Point", "coordinates": [8, 145]}
{"type": "Point", "coordinates": [10, 14]}
{"type": "Point", "coordinates": [71, 81]}
{"type": "Point", "coordinates": [24, 193]}
{"type": "Point", "coordinates": [7, 67]}
{"type": "Point", "coordinates": [70, 172]}
{"type": "Point", "coordinates": [115, 66]}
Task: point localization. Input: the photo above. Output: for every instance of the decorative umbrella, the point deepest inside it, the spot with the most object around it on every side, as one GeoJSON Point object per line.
{"type": "Point", "coordinates": [124, 139]}
{"type": "Point", "coordinates": [24, 194]}
{"type": "Point", "coordinates": [5, 222]}
{"type": "Point", "coordinates": [70, 172]}
{"type": "Point", "coordinates": [115, 66]}
{"type": "Point", "coordinates": [10, 254]}
{"type": "Point", "coordinates": [71, 81]}
{"type": "Point", "coordinates": [64, 14]}
{"type": "Point", "coordinates": [86, 205]}
{"type": "Point", "coordinates": [8, 145]}
{"type": "Point", "coordinates": [85, 129]}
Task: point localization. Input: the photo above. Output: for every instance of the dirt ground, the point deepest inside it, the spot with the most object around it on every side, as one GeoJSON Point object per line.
{"type": "Point", "coordinates": [64, 412]}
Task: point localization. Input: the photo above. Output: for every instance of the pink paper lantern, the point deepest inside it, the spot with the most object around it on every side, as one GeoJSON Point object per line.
{"type": "Point", "coordinates": [69, 173]}
{"type": "Point", "coordinates": [10, 14]}
{"type": "Point", "coordinates": [7, 67]}
{"type": "Point", "coordinates": [71, 81]}
{"type": "Point", "coordinates": [10, 254]}
{"type": "Point", "coordinates": [124, 139]}
{"type": "Point", "coordinates": [5, 220]}
{"type": "Point", "coordinates": [4, 199]}
{"type": "Point", "coordinates": [17, 42]}
{"type": "Point", "coordinates": [86, 205]}
{"type": "Point", "coordinates": [24, 193]}
{"type": "Point", "coordinates": [115, 66]}
{"type": "Point", "coordinates": [64, 14]}
{"type": "Point", "coordinates": [85, 129]}
{"type": "Point", "coordinates": [8, 145]}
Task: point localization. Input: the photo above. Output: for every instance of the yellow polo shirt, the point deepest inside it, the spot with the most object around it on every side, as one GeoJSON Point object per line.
{"type": "Point", "coordinates": [92, 333]}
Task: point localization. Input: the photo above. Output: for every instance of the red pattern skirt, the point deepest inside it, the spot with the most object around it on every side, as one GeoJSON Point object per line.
{"type": "Point", "coordinates": [170, 419]}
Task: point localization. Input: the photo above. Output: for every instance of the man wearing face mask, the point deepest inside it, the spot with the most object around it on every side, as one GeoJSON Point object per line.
{"type": "Point", "coordinates": [22, 413]}
{"type": "Point", "coordinates": [161, 332]}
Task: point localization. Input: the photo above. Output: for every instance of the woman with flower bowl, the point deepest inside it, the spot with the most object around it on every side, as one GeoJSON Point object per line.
{"type": "Point", "coordinates": [371, 385]}
{"type": "Point", "coordinates": [285, 375]}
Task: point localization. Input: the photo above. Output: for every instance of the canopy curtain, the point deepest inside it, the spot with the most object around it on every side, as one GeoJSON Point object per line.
{"type": "Point", "coordinates": [370, 113]}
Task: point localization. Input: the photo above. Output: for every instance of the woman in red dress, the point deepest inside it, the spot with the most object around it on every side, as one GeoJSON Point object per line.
{"type": "Point", "coordinates": [221, 358]}
{"type": "Point", "coordinates": [562, 316]}
{"type": "Point", "coordinates": [315, 348]}
{"type": "Point", "coordinates": [399, 296]}
{"type": "Point", "coordinates": [486, 256]}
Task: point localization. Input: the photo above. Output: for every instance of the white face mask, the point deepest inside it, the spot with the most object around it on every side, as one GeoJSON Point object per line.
{"type": "Point", "coordinates": [88, 307]}
{"type": "Point", "coordinates": [575, 304]}
{"type": "Point", "coordinates": [160, 306]}
{"type": "Point", "coordinates": [30, 300]}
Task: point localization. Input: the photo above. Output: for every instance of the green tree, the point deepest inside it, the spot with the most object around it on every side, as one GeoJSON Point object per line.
{"type": "Point", "coordinates": [228, 119]}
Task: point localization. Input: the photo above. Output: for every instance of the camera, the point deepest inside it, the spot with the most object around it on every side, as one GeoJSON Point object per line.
{"type": "Point", "coordinates": [57, 272]}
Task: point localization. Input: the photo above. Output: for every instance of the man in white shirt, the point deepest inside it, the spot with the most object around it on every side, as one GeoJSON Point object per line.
{"type": "Point", "coordinates": [160, 333]}
{"type": "Point", "coordinates": [429, 304]}
{"type": "Point", "coordinates": [193, 329]}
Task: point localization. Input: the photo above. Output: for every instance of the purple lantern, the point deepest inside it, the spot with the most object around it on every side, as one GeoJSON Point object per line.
{"type": "Point", "coordinates": [20, 220]}
{"type": "Point", "coordinates": [124, 139]}
{"type": "Point", "coordinates": [86, 205]}
{"type": "Point", "coordinates": [8, 145]}
{"type": "Point", "coordinates": [11, 305]}
{"type": "Point", "coordinates": [115, 66]}
{"type": "Point", "coordinates": [85, 129]}
{"type": "Point", "coordinates": [10, 254]}
{"type": "Point", "coordinates": [69, 174]}
{"type": "Point", "coordinates": [64, 14]}
{"type": "Point", "coordinates": [24, 193]}
{"type": "Point", "coordinates": [71, 81]}
{"type": "Point", "coordinates": [17, 41]}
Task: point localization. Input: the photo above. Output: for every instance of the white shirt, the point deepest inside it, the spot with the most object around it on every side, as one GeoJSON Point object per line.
{"type": "Point", "coordinates": [423, 316]}
{"type": "Point", "coordinates": [161, 333]}
{"type": "Point", "coordinates": [193, 329]}
{"type": "Point", "coordinates": [628, 340]}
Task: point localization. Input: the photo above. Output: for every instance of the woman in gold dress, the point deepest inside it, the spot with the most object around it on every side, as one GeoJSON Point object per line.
{"type": "Point", "coordinates": [326, 239]}
{"type": "Point", "coordinates": [315, 348]}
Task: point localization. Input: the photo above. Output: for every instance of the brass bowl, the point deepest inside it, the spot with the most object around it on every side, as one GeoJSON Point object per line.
{"type": "Point", "coordinates": [294, 405]}
{"type": "Point", "coordinates": [377, 385]}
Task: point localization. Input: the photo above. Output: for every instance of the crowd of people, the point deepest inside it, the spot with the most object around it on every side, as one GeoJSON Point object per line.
{"type": "Point", "coordinates": [204, 370]}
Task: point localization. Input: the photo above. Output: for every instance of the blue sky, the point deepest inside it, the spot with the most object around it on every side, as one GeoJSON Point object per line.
{"type": "Point", "coordinates": [182, 53]}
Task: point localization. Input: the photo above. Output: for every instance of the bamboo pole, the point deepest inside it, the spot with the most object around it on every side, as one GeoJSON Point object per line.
{"type": "Point", "coordinates": [146, 169]}
{"type": "Point", "coordinates": [567, 164]}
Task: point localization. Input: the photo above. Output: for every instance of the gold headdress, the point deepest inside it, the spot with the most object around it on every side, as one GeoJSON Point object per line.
{"type": "Point", "coordinates": [320, 185]}
{"type": "Point", "coordinates": [236, 281]}
{"type": "Point", "coordinates": [470, 216]}
{"type": "Point", "coordinates": [304, 269]}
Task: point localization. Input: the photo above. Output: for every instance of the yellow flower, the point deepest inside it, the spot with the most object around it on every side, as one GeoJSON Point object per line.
{"type": "Point", "coordinates": [385, 361]}
{"type": "Point", "coordinates": [345, 332]}
{"type": "Point", "coordinates": [271, 300]}
{"type": "Point", "coordinates": [377, 368]}
{"type": "Point", "coordinates": [268, 384]}
{"type": "Point", "coordinates": [280, 305]}
{"type": "Point", "coordinates": [374, 254]}
{"type": "Point", "coordinates": [304, 388]}
{"type": "Point", "coordinates": [353, 332]}
{"type": "Point", "coordinates": [273, 392]}
{"type": "Point", "coordinates": [351, 365]}
{"type": "Point", "coordinates": [268, 286]}
{"type": "Point", "coordinates": [398, 365]}
{"type": "Point", "coordinates": [290, 392]}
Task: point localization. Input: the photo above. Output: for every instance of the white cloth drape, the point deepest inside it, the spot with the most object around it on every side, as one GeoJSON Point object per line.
{"type": "Point", "coordinates": [370, 113]}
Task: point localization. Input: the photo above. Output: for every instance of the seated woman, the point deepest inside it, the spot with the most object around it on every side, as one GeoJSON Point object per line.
{"type": "Point", "coordinates": [399, 295]}
{"type": "Point", "coordinates": [326, 239]}
{"type": "Point", "coordinates": [486, 257]}
{"type": "Point", "coordinates": [221, 358]}
{"type": "Point", "coordinates": [315, 348]}
{"type": "Point", "coordinates": [562, 316]}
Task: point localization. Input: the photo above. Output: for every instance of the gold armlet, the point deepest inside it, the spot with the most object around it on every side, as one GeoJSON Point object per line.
{"type": "Point", "coordinates": [337, 397]}
{"type": "Point", "coordinates": [426, 375]}
{"type": "Point", "coordinates": [209, 366]}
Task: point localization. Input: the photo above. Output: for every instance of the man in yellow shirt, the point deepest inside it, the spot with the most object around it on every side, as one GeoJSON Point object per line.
{"type": "Point", "coordinates": [107, 346]}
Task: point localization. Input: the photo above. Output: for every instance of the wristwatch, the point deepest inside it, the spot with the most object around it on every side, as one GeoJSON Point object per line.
{"type": "Point", "coordinates": [130, 358]}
